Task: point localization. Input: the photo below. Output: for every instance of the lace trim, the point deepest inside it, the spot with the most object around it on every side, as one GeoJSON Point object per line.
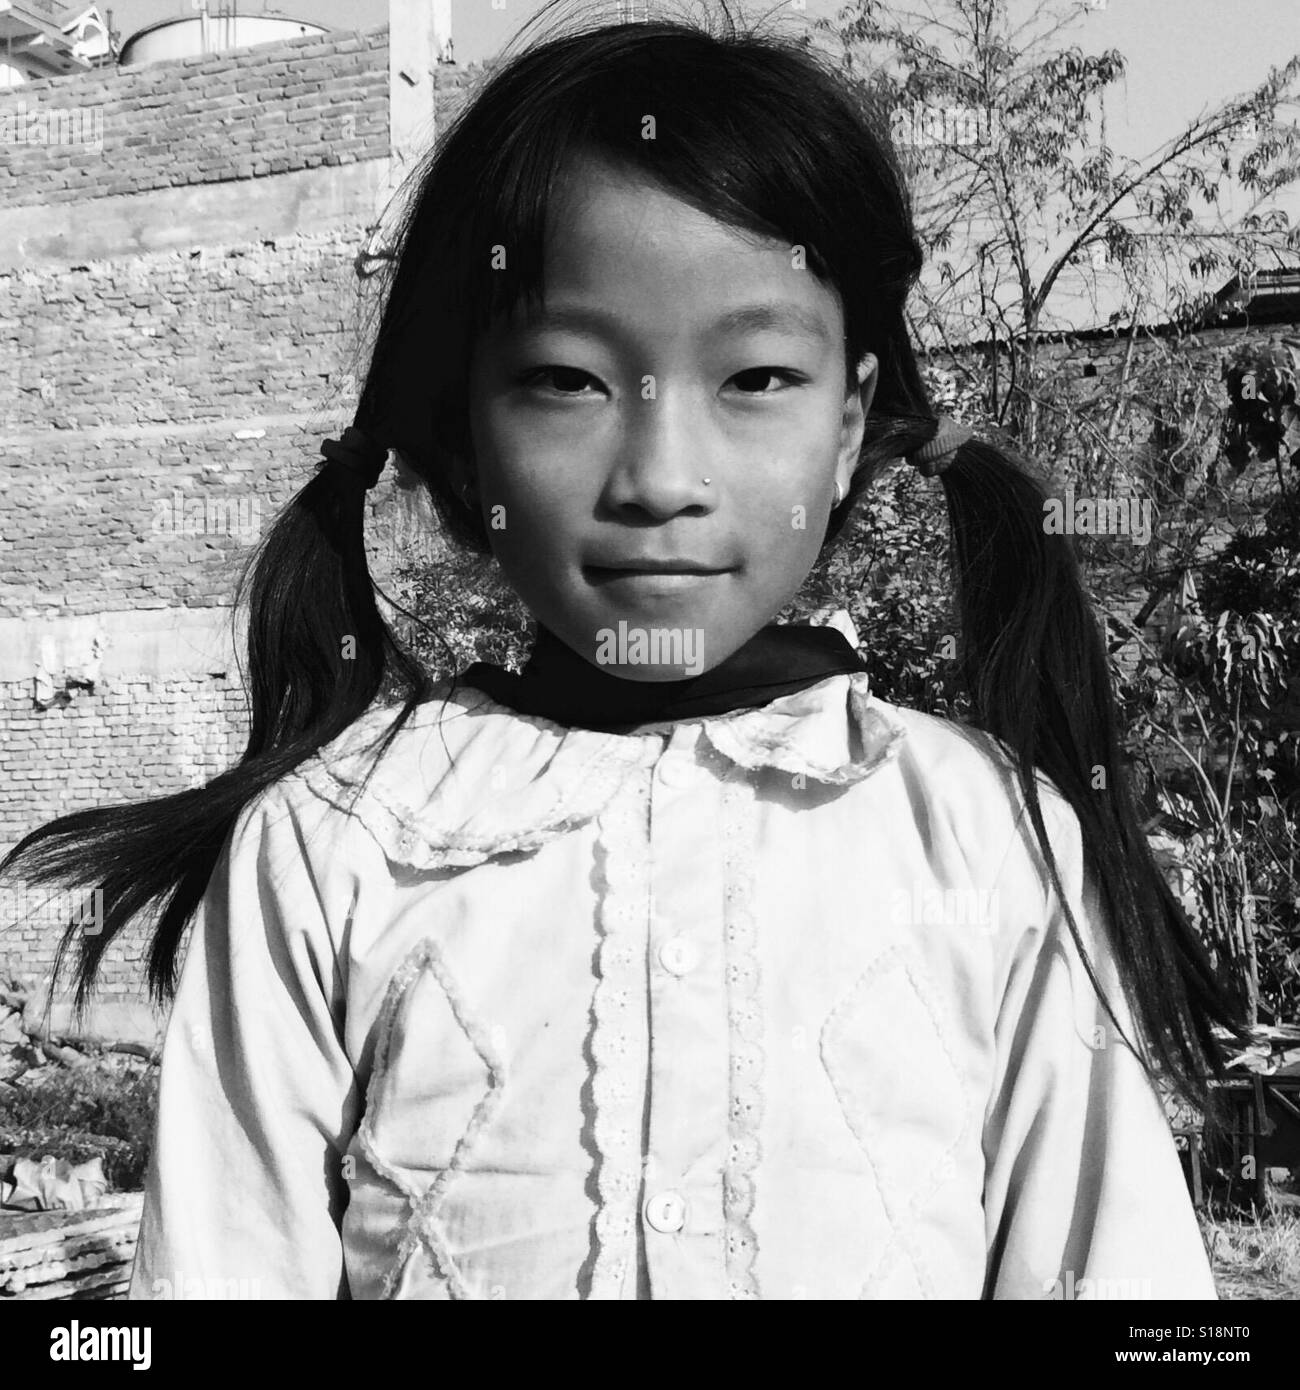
{"type": "Point", "coordinates": [513, 825]}
{"type": "Point", "coordinates": [618, 1042]}
{"type": "Point", "coordinates": [785, 739]}
{"type": "Point", "coordinates": [901, 1215]}
{"type": "Point", "coordinates": [422, 1228]}
{"type": "Point", "coordinates": [745, 1028]}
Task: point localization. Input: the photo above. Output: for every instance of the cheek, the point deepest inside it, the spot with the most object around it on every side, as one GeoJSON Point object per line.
{"type": "Point", "coordinates": [541, 495]}
{"type": "Point", "coordinates": [528, 536]}
{"type": "Point", "coordinates": [790, 492]}
{"type": "Point", "coordinates": [793, 545]}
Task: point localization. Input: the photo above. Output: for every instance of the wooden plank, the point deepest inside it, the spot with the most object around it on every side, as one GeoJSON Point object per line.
{"type": "Point", "coordinates": [74, 1255]}
{"type": "Point", "coordinates": [99, 1250]}
{"type": "Point", "coordinates": [122, 1213]}
{"type": "Point", "coordinates": [110, 1284]}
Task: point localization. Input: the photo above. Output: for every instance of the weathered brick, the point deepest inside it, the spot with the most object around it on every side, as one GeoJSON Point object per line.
{"type": "Point", "coordinates": [159, 121]}
{"type": "Point", "coordinates": [133, 375]}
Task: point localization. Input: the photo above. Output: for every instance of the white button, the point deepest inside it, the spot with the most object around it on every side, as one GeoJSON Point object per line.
{"type": "Point", "coordinates": [677, 771]}
{"type": "Point", "coordinates": [666, 1211]}
{"type": "Point", "coordinates": [678, 955]}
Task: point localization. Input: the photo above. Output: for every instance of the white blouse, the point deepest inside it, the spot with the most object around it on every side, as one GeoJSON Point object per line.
{"type": "Point", "coordinates": [774, 1004]}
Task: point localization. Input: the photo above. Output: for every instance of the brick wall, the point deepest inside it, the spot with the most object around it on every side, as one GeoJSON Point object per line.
{"type": "Point", "coordinates": [315, 100]}
{"type": "Point", "coordinates": [123, 741]}
{"type": "Point", "coordinates": [182, 336]}
{"type": "Point", "coordinates": [1210, 348]}
{"type": "Point", "coordinates": [167, 370]}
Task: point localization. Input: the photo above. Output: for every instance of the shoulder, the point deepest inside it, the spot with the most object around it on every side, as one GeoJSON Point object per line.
{"type": "Point", "coordinates": [950, 753]}
{"type": "Point", "coordinates": [973, 813]}
{"type": "Point", "coordinates": [965, 781]}
{"type": "Point", "coordinates": [459, 778]}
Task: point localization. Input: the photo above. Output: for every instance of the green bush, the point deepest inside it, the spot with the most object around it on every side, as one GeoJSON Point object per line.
{"type": "Point", "coordinates": [81, 1114]}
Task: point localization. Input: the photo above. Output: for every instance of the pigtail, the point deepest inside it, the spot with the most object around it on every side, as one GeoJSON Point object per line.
{"type": "Point", "coordinates": [1035, 665]}
{"type": "Point", "coordinates": [318, 653]}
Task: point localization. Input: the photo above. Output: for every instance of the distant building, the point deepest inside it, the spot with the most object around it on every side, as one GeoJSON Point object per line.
{"type": "Point", "coordinates": [41, 38]}
{"type": "Point", "coordinates": [1240, 310]}
{"type": "Point", "coordinates": [210, 32]}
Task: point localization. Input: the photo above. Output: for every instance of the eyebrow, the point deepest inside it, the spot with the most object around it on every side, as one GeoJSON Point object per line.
{"type": "Point", "coordinates": [793, 318]}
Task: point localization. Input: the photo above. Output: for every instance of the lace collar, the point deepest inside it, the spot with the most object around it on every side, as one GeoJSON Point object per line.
{"type": "Point", "coordinates": [468, 779]}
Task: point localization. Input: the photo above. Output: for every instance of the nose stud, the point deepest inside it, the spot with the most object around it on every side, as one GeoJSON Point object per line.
{"type": "Point", "coordinates": [706, 481]}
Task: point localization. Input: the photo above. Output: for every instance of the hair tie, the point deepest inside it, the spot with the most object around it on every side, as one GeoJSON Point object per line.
{"type": "Point", "coordinates": [358, 453]}
{"type": "Point", "coordinates": [937, 453]}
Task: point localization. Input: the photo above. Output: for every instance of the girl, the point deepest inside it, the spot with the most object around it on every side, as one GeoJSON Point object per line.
{"type": "Point", "coordinates": [680, 966]}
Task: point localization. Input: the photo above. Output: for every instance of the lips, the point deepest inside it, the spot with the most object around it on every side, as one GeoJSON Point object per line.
{"type": "Point", "coordinates": [641, 565]}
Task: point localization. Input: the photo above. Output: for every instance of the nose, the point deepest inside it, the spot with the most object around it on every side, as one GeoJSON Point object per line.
{"type": "Point", "coordinates": [661, 464]}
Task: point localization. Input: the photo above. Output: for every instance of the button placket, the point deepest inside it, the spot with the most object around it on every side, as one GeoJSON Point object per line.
{"type": "Point", "coordinates": [678, 770]}
{"type": "Point", "coordinates": [682, 1198]}
{"type": "Point", "coordinates": [619, 1041]}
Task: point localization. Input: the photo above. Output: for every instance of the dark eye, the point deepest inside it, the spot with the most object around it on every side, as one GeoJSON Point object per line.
{"type": "Point", "coordinates": [754, 380]}
{"type": "Point", "coordinates": [566, 381]}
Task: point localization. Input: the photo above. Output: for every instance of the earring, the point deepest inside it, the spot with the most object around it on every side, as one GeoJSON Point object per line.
{"type": "Point", "coordinates": [706, 481]}
{"type": "Point", "coordinates": [839, 494]}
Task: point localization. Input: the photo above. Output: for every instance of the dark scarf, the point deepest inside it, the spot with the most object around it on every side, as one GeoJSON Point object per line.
{"type": "Point", "coordinates": [559, 685]}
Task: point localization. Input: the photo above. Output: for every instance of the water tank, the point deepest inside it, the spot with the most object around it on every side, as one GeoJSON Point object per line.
{"type": "Point", "coordinates": [199, 34]}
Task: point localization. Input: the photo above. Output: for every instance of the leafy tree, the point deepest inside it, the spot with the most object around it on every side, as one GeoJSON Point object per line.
{"type": "Point", "coordinates": [1020, 197]}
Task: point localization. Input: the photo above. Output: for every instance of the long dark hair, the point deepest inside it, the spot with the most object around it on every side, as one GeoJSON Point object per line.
{"type": "Point", "coordinates": [762, 133]}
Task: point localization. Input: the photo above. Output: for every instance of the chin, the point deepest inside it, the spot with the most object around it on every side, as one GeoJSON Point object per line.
{"type": "Point", "coordinates": [652, 675]}
{"type": "Point", "coordinates": [651, 652]}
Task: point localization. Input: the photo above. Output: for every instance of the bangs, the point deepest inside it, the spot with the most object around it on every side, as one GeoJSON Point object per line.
{"type": "Point", "coordinates": [707, 122]}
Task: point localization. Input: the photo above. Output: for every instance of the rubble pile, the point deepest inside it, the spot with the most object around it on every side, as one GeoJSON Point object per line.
{"type": "Point", "coordinates": [63, 1234]}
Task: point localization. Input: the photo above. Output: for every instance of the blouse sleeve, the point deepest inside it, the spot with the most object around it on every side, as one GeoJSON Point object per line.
{"type": "Point", "coordinates": [257, 1100]}
{"type": "Point", "coordinates": [1084, 1192]}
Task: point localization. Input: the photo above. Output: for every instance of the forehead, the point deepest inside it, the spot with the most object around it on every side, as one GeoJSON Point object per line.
{"type": "Point", "coordinates": [621, 241]}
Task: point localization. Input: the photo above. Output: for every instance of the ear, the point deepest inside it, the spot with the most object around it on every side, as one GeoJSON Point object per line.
{"type": "Point", "coordinates": [857, 405]}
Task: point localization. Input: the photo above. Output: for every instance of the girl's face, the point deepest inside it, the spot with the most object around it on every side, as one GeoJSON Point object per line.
{"type": "Point", "coordinates": [660, 447]}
